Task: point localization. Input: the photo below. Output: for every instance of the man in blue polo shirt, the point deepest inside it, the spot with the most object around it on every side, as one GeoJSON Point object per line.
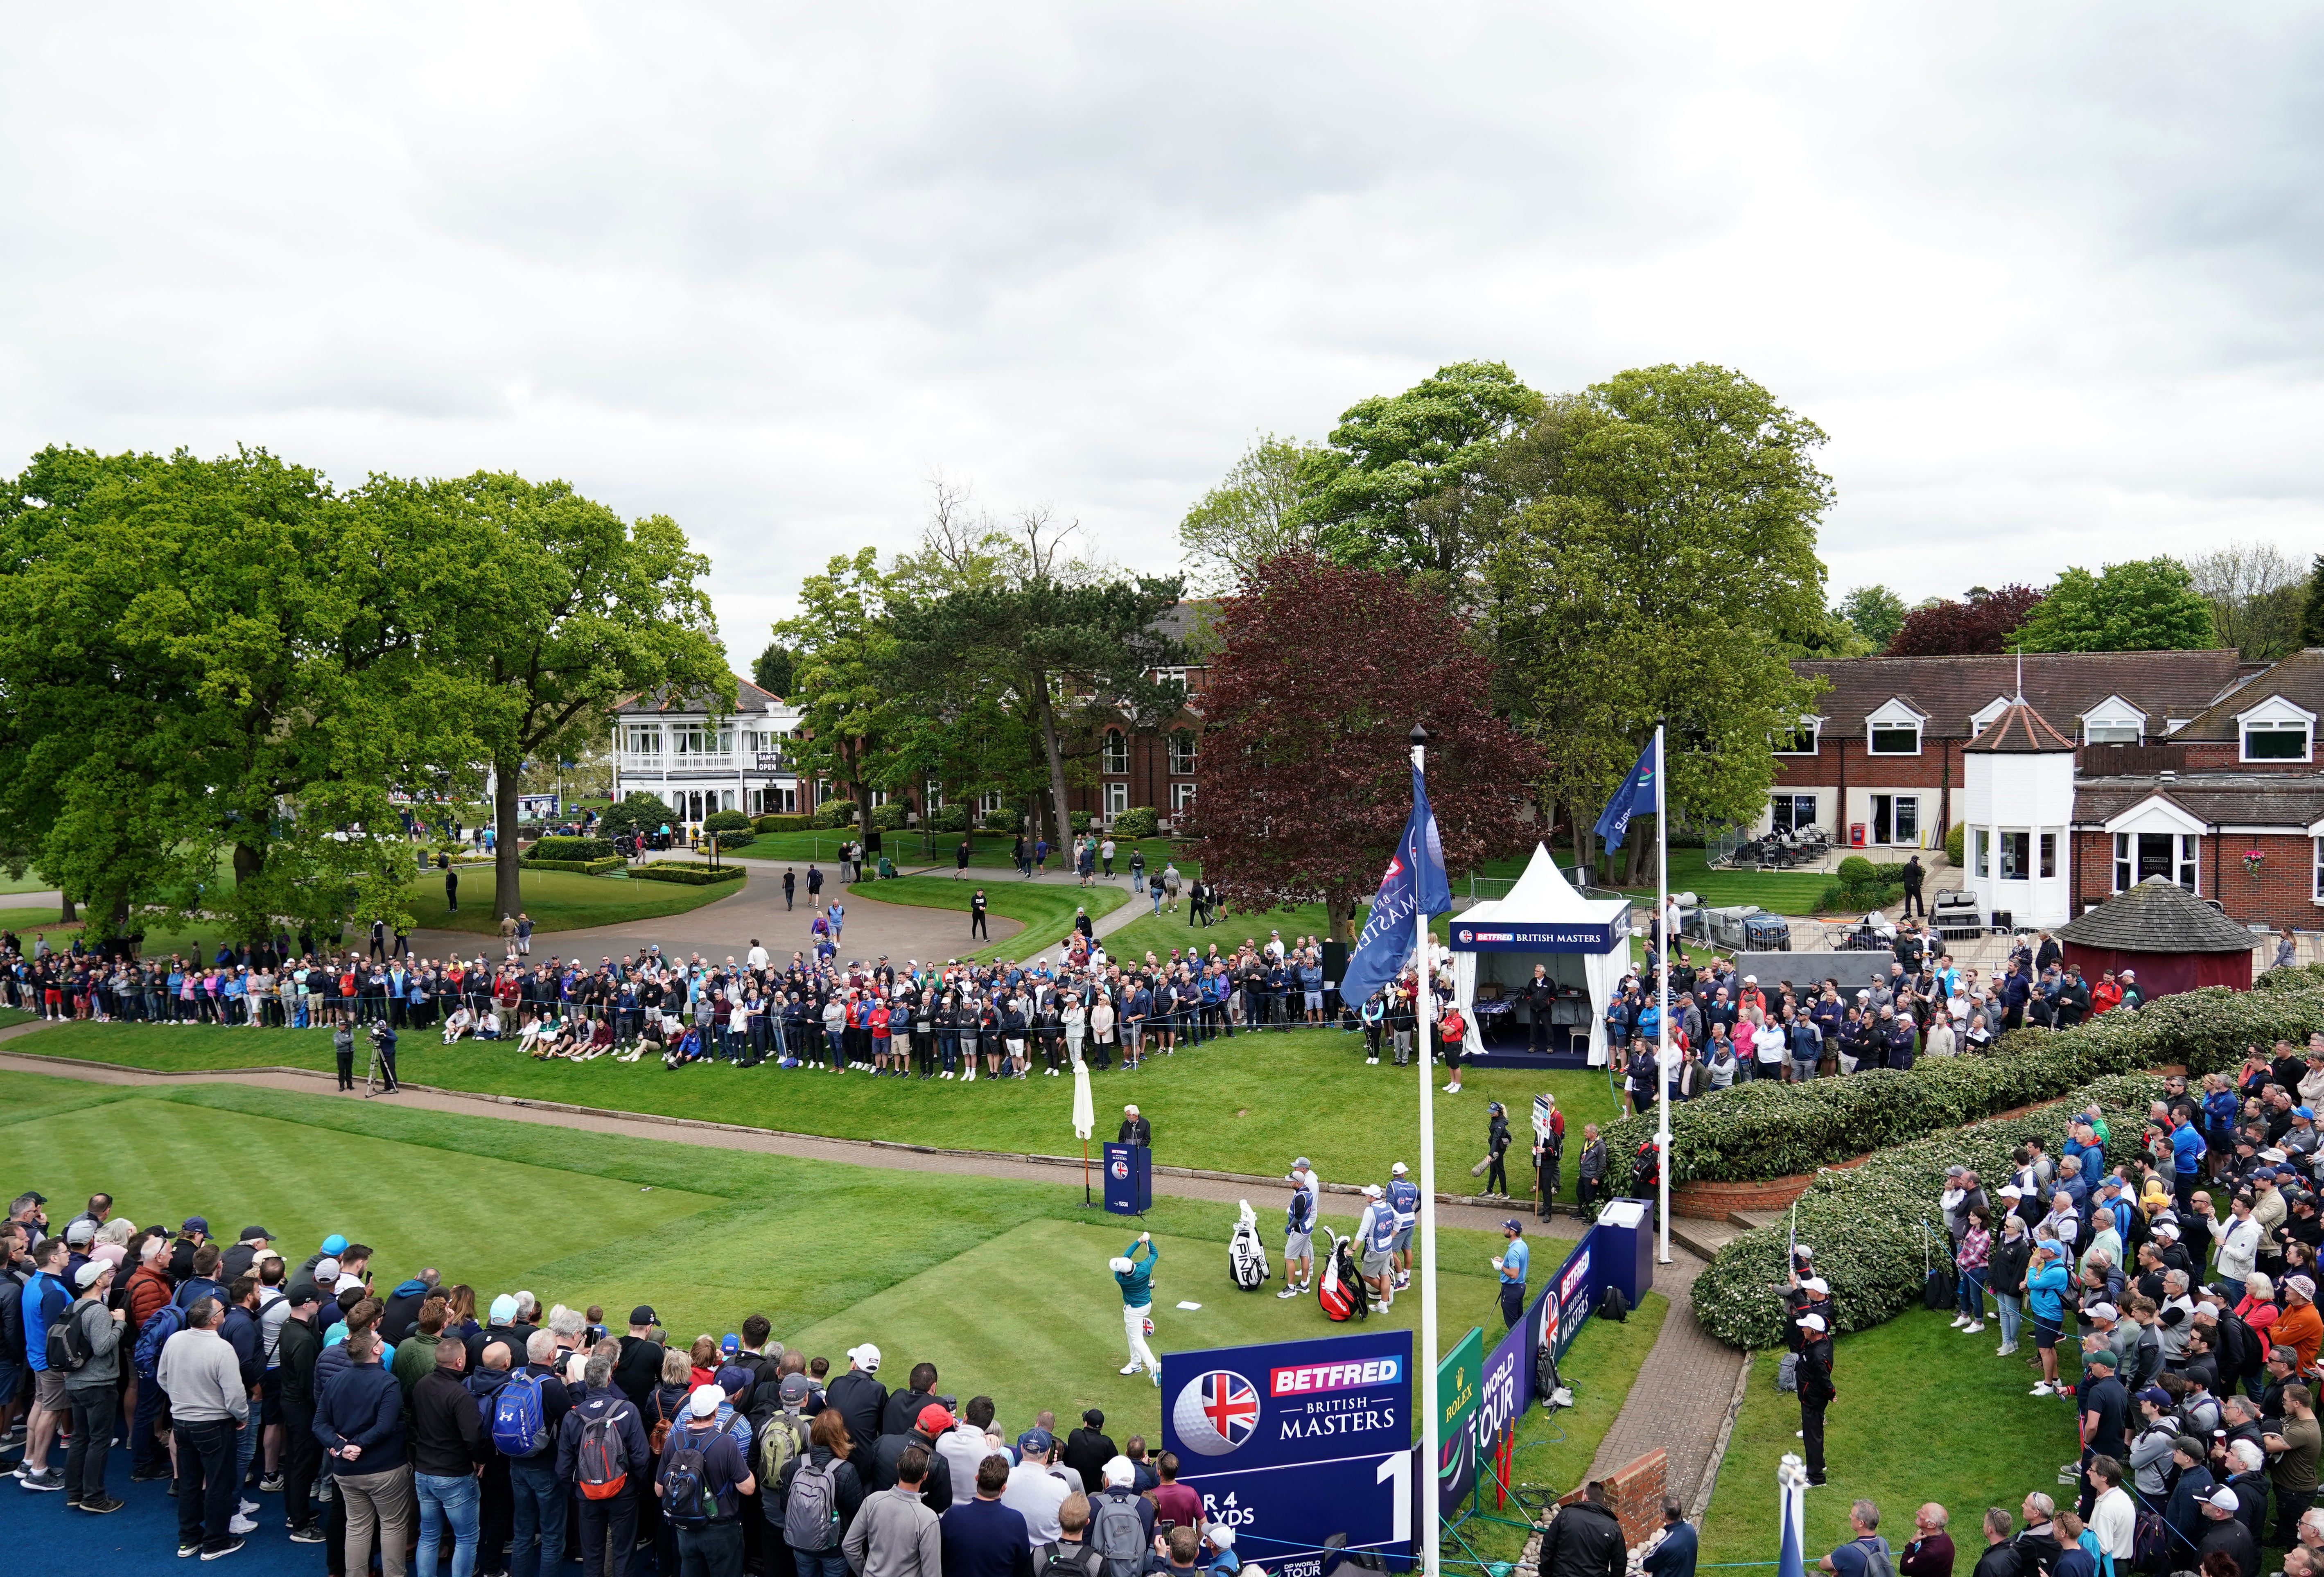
{"type": "Point", "coordinates": [1512, 1265]}
{"type": "Point", "coordinates": [45, 1301]}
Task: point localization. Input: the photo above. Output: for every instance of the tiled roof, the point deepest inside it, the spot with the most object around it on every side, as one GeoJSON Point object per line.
{"type": "Point", "coordinates": [2061, 684]}
{"type": "Point", "coordinates": [2157, 916]}
{"type": "Point", "coordinates": [2298, 678]}
{"type": "Point", "coordinates": [749, 697]}
{"type": "Point", "coordinates": [2283, 799]}
{"type": "Point", "coordinates": [2020, 731]}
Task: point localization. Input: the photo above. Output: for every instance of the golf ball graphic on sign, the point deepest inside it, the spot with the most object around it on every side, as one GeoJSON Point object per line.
{"type": "Point", "coordinates": [1216, 1411]}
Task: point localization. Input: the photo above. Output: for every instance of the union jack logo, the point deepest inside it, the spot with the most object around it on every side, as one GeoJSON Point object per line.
{"type": "Point", "coordinates": [1232, 1404]}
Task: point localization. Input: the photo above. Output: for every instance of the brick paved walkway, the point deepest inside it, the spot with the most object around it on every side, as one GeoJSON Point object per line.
{"type": "Point", "coordinates": [1680, 1397]}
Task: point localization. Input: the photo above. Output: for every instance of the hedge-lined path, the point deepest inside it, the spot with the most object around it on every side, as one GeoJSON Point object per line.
{"type": "Point", "coordinates": [1217, 1187]}
{"type": "Point", "coordinates": [1681, 1397]}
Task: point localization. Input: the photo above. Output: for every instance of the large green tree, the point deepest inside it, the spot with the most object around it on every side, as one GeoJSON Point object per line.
{"type": "Point", "coordinates": [1411, 481]}
{"type": "Point", "coordinates": [562, 608]}
{"type": "Point", "coordinates": [1257, 512]}
{"type": "Point", "coordinates": [843, 653]}
{"type": "Point", "coordinates": [2311, 613]}
{"type": "Point", "coordinates": [1663, 566]}
{"type": "Point", "coordinates": [2256, 593]}
{"type": "Point", "coordinates": [2147, 605]}
{"type": "Point", "coordinates": [1874, 612]}
{"type": "Point", "coordinates": [211, 664]}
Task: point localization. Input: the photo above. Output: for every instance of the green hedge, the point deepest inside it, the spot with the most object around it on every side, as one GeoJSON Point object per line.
{"type": "Point", "coordinates": [948, 818]}
{"type": "Point", "coordinates": [1759, 1130]}
{"type": "Point", "coordinates": [726, 821]}
{"type": "Point", "coordinates": [1954, 842]}
{"type": "Point", "coordinates": [1865, 1224]}
{"type": "Point", "coordinates": [605, 866]}
{"type": "Point", "coordinates": [888, 817]}
{"type": "Point", "coordinates": [688, 875]}
{"type": "Point", "coordinates": [834, 813]}
{"type": "Point", "coordinates": [568, 848]}
{"type": "Point", "coordinates": [1837, 898]}
{"type": "Point", "coordinates": [1139, 822]}
{"type": "Point", "coordinates": [783, 824]}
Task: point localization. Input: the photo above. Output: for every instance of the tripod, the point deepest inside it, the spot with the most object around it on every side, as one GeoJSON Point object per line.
{"type": "Point", "coordinates": [372, 1076]}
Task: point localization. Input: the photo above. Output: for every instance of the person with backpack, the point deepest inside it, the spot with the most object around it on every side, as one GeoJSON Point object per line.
{"type": "Point", "coordinates": [1866, 1554]}
{"type": "Point", "coordinates": [1070, 1555]}
{"type": "Point", "coordinates": [448, 1445]}
{"type": "Point", "coordinates": [208, 1403]}
{"type": "Point", "coordinates": [701, 1482]}
{"type": "Point", "coordinates": [1122, 1522]}
{"type": "Point", "coordinates": [820, 1497]}
{"type": "Point", "coordinates": [89, 1342]}
{"type": "Point", "coordinates": [528, 1416]}
{"type": "Point", "coordinates": [602, 1452]}
{"type": "Point", "coordinates": [896, 1534]}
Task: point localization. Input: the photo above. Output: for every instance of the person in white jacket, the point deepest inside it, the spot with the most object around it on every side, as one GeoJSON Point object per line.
{"type": "Point", "coordinates": [2114, 1516]}
{"type": "Point", "coordinates": [2239, 1244]}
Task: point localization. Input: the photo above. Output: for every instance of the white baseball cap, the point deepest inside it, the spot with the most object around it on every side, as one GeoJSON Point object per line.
{"type": "Point", "coordinates": [1812, 1322]}
{"type": "Point", "coordinates": [865, 1358]}
{"type": "Point", "coordinates": [1373, 1191]}
{"type": "Point", "coordinates": [1398, 1169]}
{"type": "Point", "coordinates": [705, 1400]}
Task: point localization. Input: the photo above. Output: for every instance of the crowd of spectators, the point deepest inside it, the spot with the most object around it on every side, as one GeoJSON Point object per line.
{"type": "Point", "coordinates": [507, 1435]}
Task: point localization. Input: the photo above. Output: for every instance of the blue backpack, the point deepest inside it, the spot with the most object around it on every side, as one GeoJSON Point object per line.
{"type": "Point", "coordinates": [163, 1324]}
{"type": "Point", "coordinates": [518, 1430]}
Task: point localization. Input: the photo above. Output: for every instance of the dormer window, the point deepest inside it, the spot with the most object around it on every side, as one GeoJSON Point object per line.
{"type": "Point", "coordinates": [1982, 718]}
{"type": "Point", "coordinates": [2114, 721]}
{"type": "Point", "coordinates": [1895, 730]}
{"type": "Point", "coordinates": [2276, 730]}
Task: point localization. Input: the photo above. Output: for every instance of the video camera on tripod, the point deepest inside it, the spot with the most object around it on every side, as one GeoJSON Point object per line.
{"type": "Point", "coordinates": [382, 1060]}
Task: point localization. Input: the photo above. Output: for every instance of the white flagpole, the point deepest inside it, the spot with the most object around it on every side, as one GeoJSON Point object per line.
{"type": "Point", "coordinates": [1662, 985]}
{"type": "Point", "coordinates": [1423, 1008]}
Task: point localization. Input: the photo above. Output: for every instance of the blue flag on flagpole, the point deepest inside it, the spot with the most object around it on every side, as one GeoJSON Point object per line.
{"type": "Point", "coordinates": [1635, 797]}
{"type": "Point", "coordinates": [1790, 1559]}
{"type": "Point", "coordinates": [1415, 883]}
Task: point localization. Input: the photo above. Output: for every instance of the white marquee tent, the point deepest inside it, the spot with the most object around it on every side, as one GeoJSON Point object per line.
{"type": "Point", "coordinates": [1543, 920]}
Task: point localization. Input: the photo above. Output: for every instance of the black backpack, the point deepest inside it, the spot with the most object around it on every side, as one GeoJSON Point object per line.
{"type": "Point", "coordinates": [685, 1497]}
{"type": "Point", "coordinates": [68, 1351]}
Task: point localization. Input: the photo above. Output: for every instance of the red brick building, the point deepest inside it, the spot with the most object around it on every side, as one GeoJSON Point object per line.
{"type": "Point", "coordinates": [2189, 765]}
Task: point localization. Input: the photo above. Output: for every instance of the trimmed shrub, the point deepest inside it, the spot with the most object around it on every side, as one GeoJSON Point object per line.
{"type": "Point", "coordinates": [1755, 1131]}
{"type": "Point", "coordinates": [1855, 871]}
{"type": "Point", "coordinates": [948, 818]}
{"type": "Point", "coordinates": [782, 824]}
{"type": "Point", "coordinates": [1138, 823]}
{"type": "Point", "coordinates": [691, 875]}
{"type": "Point", "coordinates": [1837, 898]}
{"type": "Point", "coordinates": [636, 812]}
{"type": "Point", "coordinates": [1889, 870]}
{"type": "Point", "coordinates": [565, 849]}
{"type": "Point", "coordinates": [610, 864]}
{"type": "Point", "coordinates": [725, 820]}
{"type": "Point", "coordinates": [888, 817]}
{"type": "Point", "coordinates": [1955, 842]}
{"type": "Point", "coordinates": [1003, 820]}
{"type": "Point", "coordinates": [834, 813]}
{"type": "Point", "coordinates": [1866, 1223]}
{"type": "Point", "coordinates": [1083, 820]}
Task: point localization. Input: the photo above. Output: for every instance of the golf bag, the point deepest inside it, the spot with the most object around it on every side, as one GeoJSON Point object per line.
{"type": "Point", "coordinates": [1645, 1171]}
{"type": "Point", "coordinates": [1246, 1255]}
{"type": "Point", "coordinates": [1340, 1290]}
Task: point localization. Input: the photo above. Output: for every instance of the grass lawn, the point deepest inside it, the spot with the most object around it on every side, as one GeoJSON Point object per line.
{"type": "Point", "coordinates": [1047, 910]}
{"type": "Point", "coordinates": [1250, 1104]}
{"type": "Point", "coordinates": [833, 1255]}
{"type": "Point", "coordinates": [29, 881]}
{"type": "Point", "coordinates": [1782, 893]}
{"type": "Point", "coordinates": [557, 900]}
{"type": "Point", "coordinates": [1912, 1370]}
{"type": "Point", "coordinates": [1157, 933]}
{"type": "Point", "coordinates": [1553, 1450]}
{"type": "Point", "coordinates": [25, 921]}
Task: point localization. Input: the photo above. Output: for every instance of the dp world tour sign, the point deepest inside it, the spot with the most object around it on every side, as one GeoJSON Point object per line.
{"type": "Point", "coordinates": [1565, 937]}
{"type": "Point", "coordinates": [1298, 1446]}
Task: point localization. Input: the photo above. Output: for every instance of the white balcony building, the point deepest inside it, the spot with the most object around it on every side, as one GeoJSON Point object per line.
{"type": "Point", "coordinates": [681, 752]}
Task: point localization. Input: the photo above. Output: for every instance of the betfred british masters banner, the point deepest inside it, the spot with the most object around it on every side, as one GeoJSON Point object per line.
{"type": "Point", "coordinates": [1295, 1444]}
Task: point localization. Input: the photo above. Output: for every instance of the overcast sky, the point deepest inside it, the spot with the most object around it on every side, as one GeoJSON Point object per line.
{"type": "Point", "coordinates": [2047, 275]}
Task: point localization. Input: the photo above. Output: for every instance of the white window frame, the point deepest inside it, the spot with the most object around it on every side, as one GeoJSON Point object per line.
{"type": "Point", "coordinates": [2186, 859]}
{"type": "Point", "coordinates": [2275, 727]}
{"type": "Point", "coordinates": [1185, 749]}
{"type": "Point", "coordinates": [1117, 800]}
{"type": "Point", "coordinates": [932, 794]}
{"type": "Point", "coordinates": [2317, 843]}
{"type": "Point", "coordinates": [2001, 853]}
{"type": "Point", "coordinates": [2114, 715]}
{"type": "Point", "coordinates": [1113, 751]}
{"type": "Point", "coordinates": [1982, 718]}
{"type": "Point", "coordinates": [1891, 716]}
{"type": "Point", "coordinates": [1981, 852]}
{"type": "Point", "coordinates": [1811, 729]}
{"type": "Point", "coordinates": [1181, 798]}
{"type": "Point", "coordinates": [641, 739]}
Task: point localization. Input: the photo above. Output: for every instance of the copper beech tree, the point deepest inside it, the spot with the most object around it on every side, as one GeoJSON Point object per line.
{"type": "Point", "coordinates": [1305, 777]}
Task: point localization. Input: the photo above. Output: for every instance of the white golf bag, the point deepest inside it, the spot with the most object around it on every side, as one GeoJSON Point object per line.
{"type": "Point", "coordinates": [1246, 1255]}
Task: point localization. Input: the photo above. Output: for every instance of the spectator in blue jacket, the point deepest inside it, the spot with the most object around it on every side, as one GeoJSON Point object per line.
{"type": "Point", "coordinates": [608, 1527]}
{"type": "Point", "coordinates": [2186, 1160]}
{"type": "Point", "coordinates": [359, 1419]}
{"type": "Point", "coordinates": [1674, 1556]}
{"type": "Point", "coordinates": [2045, 1287]}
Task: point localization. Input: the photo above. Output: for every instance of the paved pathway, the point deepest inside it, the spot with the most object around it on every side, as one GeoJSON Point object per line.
{"type": "Point", "coordinates": [898, 931]}
{"type": "Point", "coordinates": [1682, 1395]}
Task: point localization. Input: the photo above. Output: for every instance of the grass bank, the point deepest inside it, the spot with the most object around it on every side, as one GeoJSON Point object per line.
{"type": "Point", "coordinates": [1046, 910]}
{"type": "Point", "coordinates": [557, 900]}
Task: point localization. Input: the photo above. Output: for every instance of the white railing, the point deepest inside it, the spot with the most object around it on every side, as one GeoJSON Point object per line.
{"type": "Point", "coordinates": [656, 765]}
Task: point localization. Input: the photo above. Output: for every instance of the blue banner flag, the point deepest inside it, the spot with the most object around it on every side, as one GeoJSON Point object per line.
{"type": "Point", "coordinates": [1416, 884]}
{"type": "Point", "coordinates": [1635, 797]}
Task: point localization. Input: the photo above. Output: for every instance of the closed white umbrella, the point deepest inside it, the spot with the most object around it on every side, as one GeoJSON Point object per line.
{"type": "Point", "coordinates": [1085, 1120]}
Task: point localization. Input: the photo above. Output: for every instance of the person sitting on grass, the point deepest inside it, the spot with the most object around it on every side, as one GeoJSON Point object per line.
{"type": "Point", "coordinates": [458, 1025]}
{"type": "Point", "coordinates": [688, 1050]}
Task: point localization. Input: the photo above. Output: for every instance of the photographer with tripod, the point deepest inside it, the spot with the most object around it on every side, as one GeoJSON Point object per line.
{"type": "Point", "coordinates": [381, 1079]}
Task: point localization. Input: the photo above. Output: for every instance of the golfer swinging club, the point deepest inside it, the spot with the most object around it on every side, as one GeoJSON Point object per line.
{"type": "Point", "coordinates": [1135, 1272]}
